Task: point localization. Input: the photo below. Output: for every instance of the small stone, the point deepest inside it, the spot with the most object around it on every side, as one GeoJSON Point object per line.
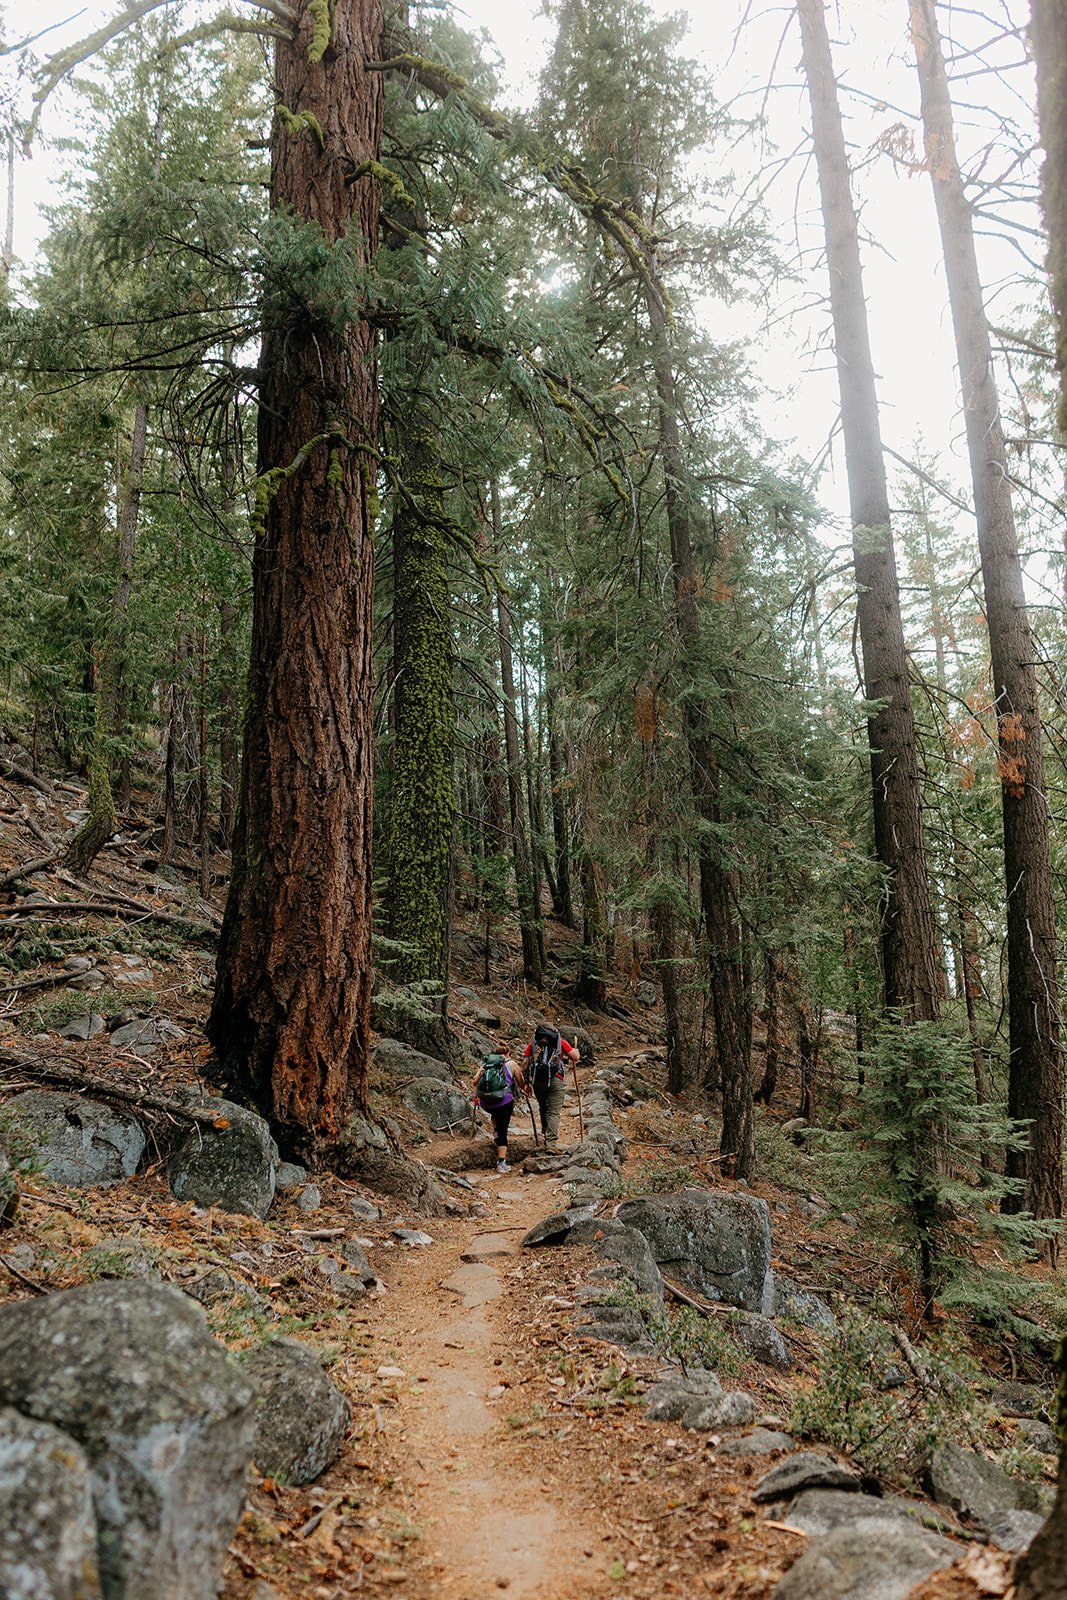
{"type": "Point", "coordinates": [363, 1210]}
{"type": "Point", "coordinates": [488, 1247]}
{"type": "Point", "coordinates": [390, 1372]}
{"type": "Point", "coordinates": [88, 980]}
{"type": "Point", "coordinates": [77, 964]}
{"type": "Point", "coordinates": [290, 1176]}
{"type": "Point", "coordinates": [413, 1237]}
{"type": "Point", "coordinates": [86, 1027]}
{"type": "Point", "coordinates": [309, 1199]}
{"type": "Point", "coordinates": [805, 1470]}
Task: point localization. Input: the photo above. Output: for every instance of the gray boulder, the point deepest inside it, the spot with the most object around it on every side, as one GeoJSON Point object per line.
{"type": "Point", "coordinates": [1014, 1530]}
{"type": "Point", "coordinates": [363, 1210]}
{"type": "Point", "coordinates": [801, 1306]}
{"type": "Point", "coordinates": [1039, 1436]}
{"type": "Point", "coordinates": [164, 1417]}
{"type": "Point", "coordinates": [734, 1409]}
{"type": "Point", "coordinates": [760, 1442]}
{"type": "Point", "coordinates": [232, 1167]}
{"type": "Point", "coordinates": [718, 1242]}
{"type": "Point", "coordinates": [1013, 1399]}
{"type": "Point", "coordinates": [973, 1486]}
{"type": "Point", "coordinates": [368, 1155]}
{"type": "Point", "coordinates": [141, 1034]}
{"type": "Point", "coordinates": [86, 1027]}
{"type": "Point", "coordinates": [627, 1250]}
{"type": "Point", "coordinates": [47, 1526]}
{"type": "Point", "coordinates": [290, 1175]}
{"type": "Point", "coordinates": [621, 1325]}
{"type": "Point", "coordinates": [671, 1398]}
{"type": "Point", "coordinates": [394, 1059]}
{"type": "Point", "coordinates": [9, 1189]}
{"type": "Point", "coordinates": [302, 1414]}
{"type": "Point", "coordinates": [819, 1511]}
{"type": "Point", "coordinates": [437, 1103]}
{"type": "Point", "coordinates": [582, 1041]}
{"type": "Point", "coordinates": [761, 1339]}
{"type": "Point", "coordinates": [78, 1142]}
{"type": "Point", "coordinates": [556, 1229]}
{"type": "Point", "coordinates": [221, 1285]}
{"type": "Point", "coordinates": [868, 1562]}
{"type": "Point", "coordinates": [805, 1470]}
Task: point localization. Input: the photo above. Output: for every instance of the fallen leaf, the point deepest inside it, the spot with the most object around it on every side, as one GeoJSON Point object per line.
{"type": "Point", "coordinates": [988, 1570]}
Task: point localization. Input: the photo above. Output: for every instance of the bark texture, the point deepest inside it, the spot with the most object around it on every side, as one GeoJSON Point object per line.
{"type": "Point", "coordinates": [908, 939]}
{"type": "Point", "coordinates": [291, 1016]}
{"type": "Point", "coordinates": [1035, 1077]}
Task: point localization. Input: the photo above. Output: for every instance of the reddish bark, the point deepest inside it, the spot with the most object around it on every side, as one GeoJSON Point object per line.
{"type": "Point", "coordinates": [291, 1017]}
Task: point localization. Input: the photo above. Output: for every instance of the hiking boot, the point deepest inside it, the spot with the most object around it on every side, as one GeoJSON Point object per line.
{"type": "Point", "coordinates": [502, 1166]}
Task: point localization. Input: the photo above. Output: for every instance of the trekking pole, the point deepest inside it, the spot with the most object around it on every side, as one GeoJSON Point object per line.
{"type": "Point", "coordinates": [533, 1123]}
{"type": "Point", "coordinates": [578, 1092]}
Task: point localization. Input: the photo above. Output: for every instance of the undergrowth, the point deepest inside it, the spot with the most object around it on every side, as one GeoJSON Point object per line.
{"type": "Point", "coordinates": [886, 1407]}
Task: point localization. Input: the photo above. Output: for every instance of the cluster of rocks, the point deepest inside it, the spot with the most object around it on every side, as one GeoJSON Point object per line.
{"type": "Point", "coordinates": [717, 1244]}
{"type": "Point", "coordinates": [126, 1434]}
{"type": "Point", "coordinates": [592, 1168]}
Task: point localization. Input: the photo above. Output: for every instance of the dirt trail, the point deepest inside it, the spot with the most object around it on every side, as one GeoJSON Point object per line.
{"type": "Point", "coordinates": [487, 1524]}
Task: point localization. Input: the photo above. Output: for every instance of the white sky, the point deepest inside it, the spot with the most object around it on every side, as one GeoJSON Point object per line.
{"type": "Point", "coordinates": [911, 333]}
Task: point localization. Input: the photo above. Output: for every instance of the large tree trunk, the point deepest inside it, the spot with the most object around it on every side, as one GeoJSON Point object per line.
{"type": "Point", "coordinates": [909, 958]}
{"type": "Point", "coordinates": [1035, 1077]}
{"type": "Point", "coordinates": [291, 1017]}
{"type": "Point", "coordinates": [422, 812]}
{"type": "Point", "coordinates": [229, 738]}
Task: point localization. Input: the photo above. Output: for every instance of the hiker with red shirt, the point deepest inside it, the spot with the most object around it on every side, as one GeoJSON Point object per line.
{"type": "Point", "coordinates": [545, 1057]}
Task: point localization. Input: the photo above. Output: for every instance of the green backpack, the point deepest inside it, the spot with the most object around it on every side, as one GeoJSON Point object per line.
{"type": "Point", "coordinates": [494, 1085]}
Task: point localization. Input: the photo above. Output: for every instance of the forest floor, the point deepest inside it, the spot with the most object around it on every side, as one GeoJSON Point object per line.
{"type": "Point", "coordinates": [494, 1446]}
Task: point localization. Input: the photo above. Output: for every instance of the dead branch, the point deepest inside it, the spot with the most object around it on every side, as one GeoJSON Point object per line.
{"type": "Point", "coordinates": [707, 1308]}
{"type": "Point", "coordinates": [31, 1283]}
{"type": "Point", "coordinates": [29, 867]}
{"type": "Point", "coordinates": [12, 769]}
{"type": "Point", "coordinates": [109, 908]}
{"type": "Point", "coordinates": [53, 1071]}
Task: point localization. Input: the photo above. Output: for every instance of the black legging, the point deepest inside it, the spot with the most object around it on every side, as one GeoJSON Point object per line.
{"type": "Point", "coordinates": [501, 1116]}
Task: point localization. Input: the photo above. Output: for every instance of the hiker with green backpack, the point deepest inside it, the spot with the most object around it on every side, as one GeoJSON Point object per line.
{"type": "Point", "coordinates": [496, 1084]}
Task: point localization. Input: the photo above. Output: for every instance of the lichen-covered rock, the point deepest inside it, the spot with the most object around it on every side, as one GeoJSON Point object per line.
{"type": "Point", "coordinates": [47, 1526]}
{"type": "Point", "coordinates": [395, 1059]}
{"type": "Point", "coordinates": [801, 1306]}
{"type": "Point", "coordinates": [1014, 1530]}
{"type": "Point", "coordinates": [671, 1398]}
{"type": "Point", "coordinates": [164, 1417]}
{"type": "Point", "coordinates": [974, 1486]}
{"type": "Point", "coordinates": [9, 1189]}
{"type": "Point", "coordinates": [734, 1409]}
{"type": "Point", "coordinates": [437, 1103]}
{"type": "Point", "coordinates": [624, 1249]}
{"type": "Point", "coordinates": [367, 1155]}
{"type": "Point", "coordinates": [78, 1142]}
{"type": "Point", "coordinates": [761, 1339]}
{"type": "Point", "coordinates": [302, 1414]}
{"type": "Point", "coordinates": [716, 1241]}
{"type": "Point", "coordinates": [871, 1561]}
{"type": "Point", "coordinates": [805, 1470]}
{"type": "Point", "coordinates": [231, 1166]}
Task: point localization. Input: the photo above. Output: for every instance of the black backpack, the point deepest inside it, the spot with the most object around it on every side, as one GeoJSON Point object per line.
{"type": "Point", "coordinates": [493, 1086]}
{"type": "Point", "coordinates": [546, 1057]}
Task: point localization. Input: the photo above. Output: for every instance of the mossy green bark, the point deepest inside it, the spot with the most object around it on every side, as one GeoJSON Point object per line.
{"type": "Point", "coordinates": [423, 798]}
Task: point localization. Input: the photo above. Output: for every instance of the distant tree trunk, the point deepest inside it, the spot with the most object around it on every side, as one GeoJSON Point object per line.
{"type": "Point", "coordinates": [808, 1043]}
{"type": "Point", "coordinates": [727, 975]}
{"type": "Point", "coordinates": [423, 795]}
{"type": "Point", "coordinates": [291, 1017]}
{"type": "Point", "coordinates": [528, 910]}
{"type": "Point", "coordinates": [591, 985]}
{"type": "Point", "coordinates": [99, 825]}
{"type": "Point", "coordinates": [533, 805]}
{"type": "Point", "coordinates": [1048, 37]}
{"type": "Point", "coordinates": [773, 1014]}
{"type": "Point", "coordinates": [229, 745]}
{"type": "Point", "coordinates": [908, 939]}
{"type": "Point", "coordinates": [1035, 1073]}
{"type": "Point", "coordinates": [664, 956]}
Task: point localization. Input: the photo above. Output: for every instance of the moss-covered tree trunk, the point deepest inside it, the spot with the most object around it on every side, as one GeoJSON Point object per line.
{"type": "Point", "coordinates": [422, 811]}
{"type": "Point", "coordinates": [291, 1016]}
{"type": "Point", "coordinates": [111, 698]}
